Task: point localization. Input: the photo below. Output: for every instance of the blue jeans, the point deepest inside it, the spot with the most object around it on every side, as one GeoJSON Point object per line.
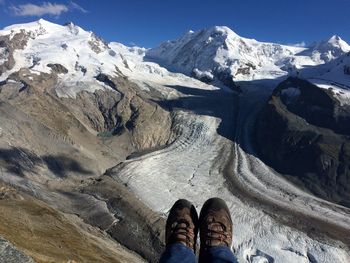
{"type": "Point", "coordinates": [178, 252]}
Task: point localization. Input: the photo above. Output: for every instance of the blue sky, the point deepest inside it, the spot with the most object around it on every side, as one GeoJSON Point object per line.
{"type": "Point", "coordinates": [149, 22]}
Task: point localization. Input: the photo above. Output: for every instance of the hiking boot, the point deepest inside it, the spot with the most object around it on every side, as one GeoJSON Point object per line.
{"type": "Point", "coordinates": [181, 225]}
{"type": "Point", "coordinates": [215, 224]}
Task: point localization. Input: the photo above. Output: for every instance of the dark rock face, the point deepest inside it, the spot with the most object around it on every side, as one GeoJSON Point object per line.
{"type": "Point", "coordinates": [316, 106]}
{"type": "Point", "coordinates": [204, 78]}
{"type": "Point", "coordinates": [106, 80]}
{"type": "Point", "coordinates": [245, 70]}
{"type": "Point", "coordinates": [80, 68]}
{"type": "Point", "coordinates": [347, 69]}
{"type": "Point", "coordinates": [226, 78]}
{"type": "Point", "coordinates": [304, 132]}
{"type": "Point", "coordinates": [58, 68]}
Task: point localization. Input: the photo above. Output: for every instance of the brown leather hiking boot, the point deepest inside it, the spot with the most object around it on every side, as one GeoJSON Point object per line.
{"type": "Point", "coordinates": [181, 225]}
{"type": "Point", "coordinates": [215, 224]}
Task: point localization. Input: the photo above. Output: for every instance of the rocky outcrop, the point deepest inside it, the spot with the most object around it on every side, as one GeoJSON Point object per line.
{"type": "Point", "coordinates": [317, 106]}
{"type": "Point", "coordinates": [148, 124]}
{"type": "Point", "coordinates": [58, 68]}
{"type": "Point", "coordinates": [55, 145]}
{"type": "Point", "coordinates": [121, 109]}
{"type": "Point", "coordinates": [97, 44]}
{"type": "Point", "coordinates": [303, 132]}
{"type": "Point", "coordinates": [223, 75]}
{"type": "Point", "coordinates": [246, 69]}
{"type": "Point", "coordinates": [205, 77]}
{"type": "Point", "coordinates": [106, 80]}
{"type": "Point", "coordinates": [135, 225]}
{"type": "Point", "coordinates": [227, 79]}
{"type": "Point", "coordinates": [10, 44]}
{"type": "Point", "coordinates": [97, 110]}
{"type": "Point", "coordinates": [47, 235]}
{"type": "Point", "coordinates": [10, 254]}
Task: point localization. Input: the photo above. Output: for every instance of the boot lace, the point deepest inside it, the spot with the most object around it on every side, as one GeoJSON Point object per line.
{"type": "Point", "coordinates": [216, 231]}
{"type": "Point", "coordinates": [182, 232]}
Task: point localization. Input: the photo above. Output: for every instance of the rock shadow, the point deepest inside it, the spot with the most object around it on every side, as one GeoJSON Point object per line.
{"type": "Point", "coordinates": [216, 103]}
{"type": "Point", "coordinates": [20, 161]}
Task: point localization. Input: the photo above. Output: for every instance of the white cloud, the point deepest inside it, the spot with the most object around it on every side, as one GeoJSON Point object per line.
{"type": "Point", "coordinates": [46, 8]}
{"type": "Point", "coordinates": [74, 5]}
{"type": "Point", "coordinates": [301, 44]}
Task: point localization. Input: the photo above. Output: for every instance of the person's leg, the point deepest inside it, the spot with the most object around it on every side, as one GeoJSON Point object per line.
{"type": "Point", "coordinates": [220, 254]}
{"type": "Point", "coordinates": [181, 233]}
{"type": "Point", "coordinates": [215, 226]}
{"type": "Point", "coordinates": [176, 253]}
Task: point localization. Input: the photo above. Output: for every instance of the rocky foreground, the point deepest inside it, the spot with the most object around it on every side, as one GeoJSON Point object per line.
{"type": "Point", "coordinates": [54, 151]}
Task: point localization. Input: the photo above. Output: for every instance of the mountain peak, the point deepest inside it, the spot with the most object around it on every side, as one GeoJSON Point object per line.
{"type": "Point", "coordinates": [69, 24]}
{"type": "Point", "coordinates": [35, 25]}
{"type": "Point", "coordinates": [337, 41]}
{"type": "Point", "coordinates": [328, 49]}
{"type": "Point", "coordinates": [44, 27]}
{"type": "Point", "coordinates": [222, 30]}
{"type": "Point", "coordinates": [335, 38]}
{"type": "Point", "coordinates": [42, 21]}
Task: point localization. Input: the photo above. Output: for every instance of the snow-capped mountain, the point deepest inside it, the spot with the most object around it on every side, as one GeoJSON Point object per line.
{"type": "Point", "coordinates": [219, 53]}
{"type": "Point", "coordinates": [77, 56]}
{"type": "Point", "coordinates": [212, 55]}
{"type": "Point", "coordinates": [81, 55]}
{"type": "Point", "coordinates": [326, 51]}
{"type": "Point", "coordinates": [73, 107]}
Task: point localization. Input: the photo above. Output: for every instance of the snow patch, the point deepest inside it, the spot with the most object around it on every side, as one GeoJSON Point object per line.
{"type": "Point", "coordinates": [3, 55]}
{"type": "Point", "coordinates": [339, 91]}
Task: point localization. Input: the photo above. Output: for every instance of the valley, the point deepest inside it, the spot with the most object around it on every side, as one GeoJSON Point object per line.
{"type": "Point", "coordinates": [98, 140]}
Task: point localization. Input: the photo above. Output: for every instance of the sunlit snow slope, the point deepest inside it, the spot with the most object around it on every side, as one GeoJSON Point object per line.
{"type": "Point", "coordinates": [218, 51]}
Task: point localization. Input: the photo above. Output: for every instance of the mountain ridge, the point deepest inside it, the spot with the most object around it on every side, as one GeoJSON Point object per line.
{"type": "Point", "coordinates": [218, 53]}
{"type": "Point", "coordinates": [211, 55]}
